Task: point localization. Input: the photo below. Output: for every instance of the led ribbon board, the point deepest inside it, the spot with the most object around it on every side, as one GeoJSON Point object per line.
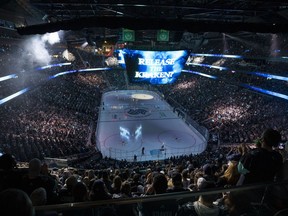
{"type": "Point", "coordinates": [154, 67]}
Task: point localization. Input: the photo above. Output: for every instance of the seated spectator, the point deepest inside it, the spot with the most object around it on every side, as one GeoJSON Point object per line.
{"type": "Point", "coordinates": [136, 183]}
{"type": "Point", "coordinates": [105, 177]}
{"type": "Point", "coordinates": [15, 202]}
{"type": "Point", "coordinates": [148, 182]}
{"type": "Point", "coordinates": [167, 207]}
{"type": "Point", "coordinates": [80, 194]}
{"type": "Point", "coordinates": [185, 179]}
{"type": "Point", "coordinates": [39, 198]}
{"type": "Point", "coordinates": [177, 183]}
{"type": "Point", "coordinates": [276, 198]}
{"type": "Point", "coordinates": [239, 203]}
{"type": "Point", "coordinates": [208, 172]}
{"type": "Point", "coordinates": [66, 192]}
{"type": "Point", "coordinates": [204, 205]}
{"type": "Point", "coordinates": [230, 176]}
{"type": "Point", "coordinates": [116, 185]}
{"type": "Point", "coordinates": [125, 192]}
{"type": "Point", "coordinates": [99, 191]}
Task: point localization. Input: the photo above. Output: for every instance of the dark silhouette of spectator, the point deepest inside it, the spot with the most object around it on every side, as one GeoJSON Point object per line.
{"type": "Point", "coordinates": [276, 196]}
{"type": "Point", "coordinates": [169, 207]}
{"type": "Point", "coordinates": [14, 202]}
{"type": "Point", "coordinates": [241, 151]}
{"type": "Point", "coordinates": [148, 182]}
{"type": "Point", "coordinates": [262, 164]}
{"type": "Point", "coordinates": [185, 178]}
{"type": "Point", "coordinates": [99, 191]}
{"type": "Point", "coordinates": [80, 194]}
{"type": "Point", "coordinates": [136, 183]}
{"type": "Point", "coordinates": [125, 190]}
{"type": "Point", "coordinates": [34, 179]}
{"type": "Point", "coordinates": [125, 193]}
{"type": "Point", "coordinates": [209, 172]}
{"type": "Point", "coordinates": [7, 162]}
{"type": "Point", "coordinates": [39, 198]}
{"type": "Point", "coordinates": [9, 175]}
{"type": "Point", "coordinates": [116, 185]}
{"type": "Point", "coordinates": [177, 183]}
{"type": "Point", "coordinates": [105, 177]}
{"type": "Point", "coordinates": [239, 203]}
{"type": "Point", "coordinates": [66, 192]}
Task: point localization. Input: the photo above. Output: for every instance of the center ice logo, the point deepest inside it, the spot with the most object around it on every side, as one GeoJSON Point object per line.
{"type": "Point", "coordinates": [138, 112]}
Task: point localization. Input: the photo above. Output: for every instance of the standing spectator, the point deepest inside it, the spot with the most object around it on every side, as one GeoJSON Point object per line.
{"type": "Point", "coordinates": [262, 164]}
{"type": "Point", "coordinates": [34, 179]}
{"type": "Point", "coordinates": [9, 177]}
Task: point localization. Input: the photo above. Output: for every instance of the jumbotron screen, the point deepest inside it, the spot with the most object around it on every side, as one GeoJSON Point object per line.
{"type": "Point", "coordinates": [154, 67]}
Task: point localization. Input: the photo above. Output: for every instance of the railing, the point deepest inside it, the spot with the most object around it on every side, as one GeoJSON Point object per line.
{"type": "Point", "coordinates": [161, 154]}
{"type": "Point", "coordinates": [261, 204]}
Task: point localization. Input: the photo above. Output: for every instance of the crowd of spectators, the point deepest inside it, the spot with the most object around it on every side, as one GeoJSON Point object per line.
{"type": "Point", "coordinates": [236, 114]}
{"type": "Point", "coordinates": [111, 179]}
{"type": "Point", "coordinates": [58, 119]}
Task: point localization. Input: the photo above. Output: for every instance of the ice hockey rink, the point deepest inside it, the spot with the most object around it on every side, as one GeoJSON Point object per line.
{"type": "Point", "coordinates": [140, 125]}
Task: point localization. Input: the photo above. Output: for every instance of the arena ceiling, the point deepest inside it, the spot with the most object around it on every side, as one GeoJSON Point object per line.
{"type": "Point", "coordinates": [196, 16]}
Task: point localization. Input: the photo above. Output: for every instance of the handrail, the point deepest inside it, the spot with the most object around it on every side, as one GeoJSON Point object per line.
{"type": "Point", "coordinates": [160, 197]}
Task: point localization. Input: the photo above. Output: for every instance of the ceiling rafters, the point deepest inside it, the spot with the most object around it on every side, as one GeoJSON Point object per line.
{"type": "Point", "coordinates": [173, 15]}
{"type": "Point", "coordinates": [231, 11]}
